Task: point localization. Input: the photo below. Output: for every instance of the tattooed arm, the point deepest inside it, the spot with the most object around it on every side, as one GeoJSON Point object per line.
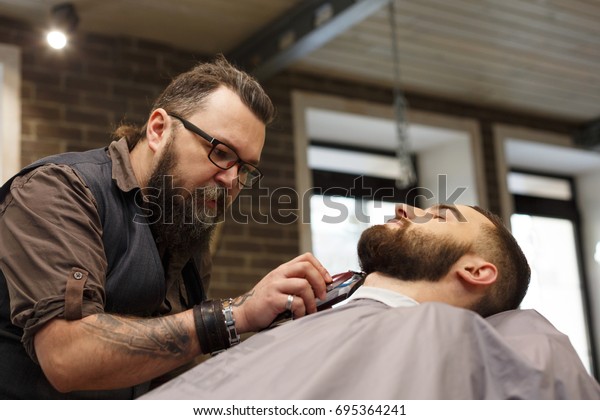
{"type": "Point", "coordinates": [108, 352]}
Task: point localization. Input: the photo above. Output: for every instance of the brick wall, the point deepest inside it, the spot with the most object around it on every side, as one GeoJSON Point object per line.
{"type": "Point", "coordinates": [72, 100]}
{"type": "Point", "coordinates": [247, 252]}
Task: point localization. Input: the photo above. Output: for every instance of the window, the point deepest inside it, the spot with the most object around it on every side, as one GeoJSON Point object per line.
{"type": "Point", "coordinates": [351, 147]}
{"type": "Point", "coordinates": [546, 225]}
{"type": "Point", "coordinates": [347, 200]}
{"type": "Point", "coordinates": [10, 111]}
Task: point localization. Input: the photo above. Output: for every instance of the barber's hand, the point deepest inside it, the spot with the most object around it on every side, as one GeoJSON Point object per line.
{"type": "Point", "coordinates": [304, 278]}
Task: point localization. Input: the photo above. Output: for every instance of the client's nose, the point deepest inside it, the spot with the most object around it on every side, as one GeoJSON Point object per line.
{"type": "Point", "coordinates": [408, 212]}
{"type": "Point", "coordinates": [405, 211]}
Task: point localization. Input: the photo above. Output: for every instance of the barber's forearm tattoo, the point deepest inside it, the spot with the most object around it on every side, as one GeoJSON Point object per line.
{"type": "Point", "coordinates": [239, 301]}
{"type": "Point", "coordinates": [160, 337]}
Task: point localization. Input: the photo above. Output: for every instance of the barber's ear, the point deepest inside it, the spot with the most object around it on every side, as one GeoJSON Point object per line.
{"type": "Point", "coordinates": [156, 129]}
{"type": "Point", "coordinates": [477, 271]}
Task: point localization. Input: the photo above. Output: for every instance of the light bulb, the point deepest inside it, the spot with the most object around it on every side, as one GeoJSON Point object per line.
{"type": "Point", "coordinates": [56, 39]}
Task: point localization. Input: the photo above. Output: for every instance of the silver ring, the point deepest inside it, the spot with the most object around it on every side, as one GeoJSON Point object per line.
{"type": "Point", "coordinates": [288, 304]}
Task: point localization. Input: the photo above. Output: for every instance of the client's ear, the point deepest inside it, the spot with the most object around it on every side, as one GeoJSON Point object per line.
{"type": "Point", "coordinates": [476, 271]}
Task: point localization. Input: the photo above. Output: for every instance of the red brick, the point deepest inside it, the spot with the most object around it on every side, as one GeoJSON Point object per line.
{"type": "Point", "coordinates": [40, 111]}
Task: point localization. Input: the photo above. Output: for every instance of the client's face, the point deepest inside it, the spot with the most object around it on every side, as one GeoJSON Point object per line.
{"type": "Point", "coordinates": [409, 250]}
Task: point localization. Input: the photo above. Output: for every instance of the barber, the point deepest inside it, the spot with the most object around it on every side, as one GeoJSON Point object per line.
{"type": "Point", "coordinates": [104, 254]}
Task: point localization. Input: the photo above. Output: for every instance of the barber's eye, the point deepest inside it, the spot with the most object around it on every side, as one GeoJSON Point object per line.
{"type": "Point", "coordinates": [220, 152]}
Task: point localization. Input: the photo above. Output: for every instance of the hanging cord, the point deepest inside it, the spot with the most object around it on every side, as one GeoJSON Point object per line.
{"type": "Point", "coordinates": [407, 176]}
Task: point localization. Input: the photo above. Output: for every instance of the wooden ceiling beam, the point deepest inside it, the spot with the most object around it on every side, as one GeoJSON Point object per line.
{"type": "Point", "coordinates": [299, 32]}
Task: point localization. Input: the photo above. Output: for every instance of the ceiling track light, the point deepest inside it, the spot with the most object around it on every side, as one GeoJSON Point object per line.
{"type": "Point", "coordinates": [63, 22]}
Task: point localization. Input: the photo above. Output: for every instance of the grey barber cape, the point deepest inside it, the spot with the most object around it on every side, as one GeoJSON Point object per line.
{"type": "Point", "coordinates": [382, 345]}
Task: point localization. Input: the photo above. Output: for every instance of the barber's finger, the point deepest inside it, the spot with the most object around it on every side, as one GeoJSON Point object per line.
{"type": "Point", "coordinates": [308, 298]}
{"type": "Point", "coordinates": [297, 308]}
{"type": "Point", "coordinates": [309, 272]}
{"type": "Point", "coordinates": [303, 292]}
{"type": "Point", "coordinates": [315, 262]}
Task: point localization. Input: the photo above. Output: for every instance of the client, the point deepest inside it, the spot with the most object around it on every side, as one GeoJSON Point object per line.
{"type": "Point", "coordinates": [436, 318]}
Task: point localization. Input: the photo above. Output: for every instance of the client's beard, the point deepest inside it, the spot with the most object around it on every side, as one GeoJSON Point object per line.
{"type": "Point", "coordinates": [185, 224]}
{"type": "Point", "coordinates": [407, 253]}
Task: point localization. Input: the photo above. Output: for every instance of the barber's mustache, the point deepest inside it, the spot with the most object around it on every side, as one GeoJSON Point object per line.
{"type": "Point", "coordinates": [219, 194]}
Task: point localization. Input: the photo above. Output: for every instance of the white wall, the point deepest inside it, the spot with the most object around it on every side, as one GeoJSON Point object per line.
{"type": "Point", "coordinates": [455, 161]}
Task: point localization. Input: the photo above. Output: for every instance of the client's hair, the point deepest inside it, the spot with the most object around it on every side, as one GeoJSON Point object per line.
{"type": "Point", "coordinates": [499, 246]}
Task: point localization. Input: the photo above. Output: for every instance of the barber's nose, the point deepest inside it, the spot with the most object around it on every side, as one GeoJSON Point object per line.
{"type": "Point", "coordinates": [228, 177]}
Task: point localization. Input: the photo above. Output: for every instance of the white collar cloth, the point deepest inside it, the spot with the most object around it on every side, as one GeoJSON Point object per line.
{"type": "Point", "coordinates": [388, 297]}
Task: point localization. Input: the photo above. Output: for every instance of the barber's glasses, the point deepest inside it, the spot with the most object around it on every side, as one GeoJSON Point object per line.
{"type": "Point", "coordinates": [224, 157]}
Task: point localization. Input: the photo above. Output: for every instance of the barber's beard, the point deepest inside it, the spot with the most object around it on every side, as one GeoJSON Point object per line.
{"type": "Point", "coordinates": [408, 253]}
{"type": "Point", "coordinates": [186, 222]}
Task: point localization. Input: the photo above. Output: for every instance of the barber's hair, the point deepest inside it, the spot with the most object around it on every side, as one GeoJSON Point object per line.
{"type": "Point", "coordinates": [498, 246]}
{"type": "Point", "coordinates": [188, 92]}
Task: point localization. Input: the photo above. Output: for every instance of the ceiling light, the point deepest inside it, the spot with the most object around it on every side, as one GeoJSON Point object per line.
{"type": "Point", "coordinates": [63, 21]}
{"type": "Point", "coordinates": [56, 39]}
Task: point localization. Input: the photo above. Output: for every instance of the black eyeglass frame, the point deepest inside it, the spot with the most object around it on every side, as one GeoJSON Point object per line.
{"type": "Point", "coordinates": [253, 174]}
